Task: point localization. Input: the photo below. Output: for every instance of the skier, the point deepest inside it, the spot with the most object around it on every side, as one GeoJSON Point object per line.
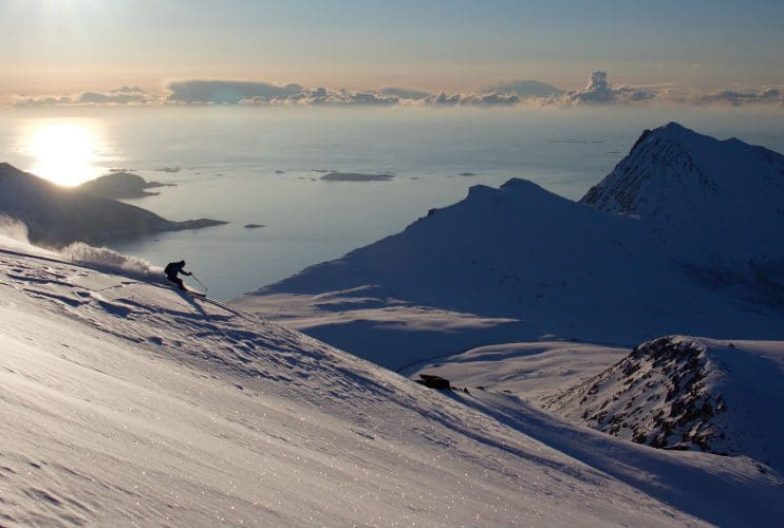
{"type": "Point", "coordinates": [171, 271]}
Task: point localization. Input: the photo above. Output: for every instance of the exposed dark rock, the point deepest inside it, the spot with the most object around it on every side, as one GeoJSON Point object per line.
{"type": "Point", "coordinates": [673, 413]}
{"type": "Point", "coordinates": [434, 382]}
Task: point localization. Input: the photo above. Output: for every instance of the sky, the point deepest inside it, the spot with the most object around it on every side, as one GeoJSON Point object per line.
{"type": "Point", "coordinates": [66, 46]}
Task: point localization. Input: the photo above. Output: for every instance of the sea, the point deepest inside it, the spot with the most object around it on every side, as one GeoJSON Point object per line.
{"type": "Point", "coordinates": [267, 166]}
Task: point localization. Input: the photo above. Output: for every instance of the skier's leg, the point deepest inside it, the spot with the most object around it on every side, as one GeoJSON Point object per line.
{"type": "Point", "coordinates": [176, 280]}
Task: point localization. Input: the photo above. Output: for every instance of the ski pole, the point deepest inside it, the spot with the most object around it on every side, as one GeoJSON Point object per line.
{"type": "Point", "coordinates": [200, 282]}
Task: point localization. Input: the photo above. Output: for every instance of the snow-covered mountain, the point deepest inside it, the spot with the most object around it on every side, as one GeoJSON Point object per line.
{"type": "Point", "coordinates": [685, 236]}
{"type": "Point", "coordinates": [683, 393]}
{"type": "Point", "coordinates": [58, 216]}
{"type": "Point", "coordinates": [127, 403]}
{"type": "Point", "coordinates": [723, 196]}
{"type": "Point", "coordinates": [717, 205]}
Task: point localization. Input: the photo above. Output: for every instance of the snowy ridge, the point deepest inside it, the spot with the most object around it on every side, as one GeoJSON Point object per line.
{"type": "Point", "coordinates": [128, 403]}
{"type": "Point", "coordinates": [684, 393]}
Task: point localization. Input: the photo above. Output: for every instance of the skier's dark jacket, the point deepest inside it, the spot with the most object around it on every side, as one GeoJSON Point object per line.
{"type": "Point", "coordinates": [173, 268]}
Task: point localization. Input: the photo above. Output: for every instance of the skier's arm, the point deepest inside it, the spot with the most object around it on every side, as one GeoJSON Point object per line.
{"type": "Point", "coordinates": [188, 273]}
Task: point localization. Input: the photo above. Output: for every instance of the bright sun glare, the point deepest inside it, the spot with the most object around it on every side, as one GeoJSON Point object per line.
{"type": "Point", "coordinates": [64, 153]}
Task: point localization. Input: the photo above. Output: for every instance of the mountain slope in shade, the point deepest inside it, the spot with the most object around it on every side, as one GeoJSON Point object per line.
{"type": "Point", "coordinates": [685, 236]}
{"type": "Point", "coordinates": [493, 253]}
{"type": "Point", "coordinates": [530, 264]}
{"type": "Point", "coordinates": [685, 393]}
{"type": "Point", "coordinates": [58, 216]}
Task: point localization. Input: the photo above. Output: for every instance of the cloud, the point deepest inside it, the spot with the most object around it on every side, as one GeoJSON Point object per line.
{"type": "Point", "coordinates": [324, 97]}
{"type": "Point", "coordinates": [742, 97]}
{"type": "Point", "coordinates": [25, 101]}
{"type": "Point", "coordinates": [121, 96]}
{"type": "Point", "coordinates": [229, 92]}
{"type": "Point", "coordinates": [599, 91]}
{"type": "Point", "coordinates": [488, 99]}
{"type": "Point", "coordinates": [527, 89]}
{"type": "Point", "coordinates": [127, 95]}
{"type": "Point", "coordinates": [405, 93]}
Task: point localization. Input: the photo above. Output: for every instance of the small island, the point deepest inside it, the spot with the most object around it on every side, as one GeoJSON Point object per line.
{"type": "Point", "coordinates": [121, 185]}
{"type": "Point", "coordinates": [253, 226]}
{"type": "Point", "coordinates": [355, 177]}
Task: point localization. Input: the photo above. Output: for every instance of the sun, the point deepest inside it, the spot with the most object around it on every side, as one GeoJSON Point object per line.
{"type": "Point", "coordinates": [65, 153]}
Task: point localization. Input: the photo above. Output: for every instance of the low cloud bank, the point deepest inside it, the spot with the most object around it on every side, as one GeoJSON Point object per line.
{"type": "Point", "coordinates": [228, 92]}
{"type": "Point", "coordinates": [127, 95]}
{"type": "Point", "coordinates": [527, 89]}
{"type": "Point", "coordinates": [405, 93]}
{"type": "Point", "coordinates": [742, 97]}
{"type": "Point", "coordinates": [325, 97]}
{"type": "Point", "coordinates": [597, 91]}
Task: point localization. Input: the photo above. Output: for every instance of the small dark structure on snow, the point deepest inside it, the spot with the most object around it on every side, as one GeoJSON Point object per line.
{"type": "Point", "coordinates": [434, 382]}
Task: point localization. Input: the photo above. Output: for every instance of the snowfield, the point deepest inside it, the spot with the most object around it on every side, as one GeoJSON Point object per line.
{"type": "Point", "coordinates": [126, 403]}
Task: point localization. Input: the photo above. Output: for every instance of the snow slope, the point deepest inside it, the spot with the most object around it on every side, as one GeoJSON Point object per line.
{"type": "Point", "coordinates": [58, 216]}
{"type": "Point", "coordinates": [126, 403]}
{"type": "Point", "coordinates": [532, 371]}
